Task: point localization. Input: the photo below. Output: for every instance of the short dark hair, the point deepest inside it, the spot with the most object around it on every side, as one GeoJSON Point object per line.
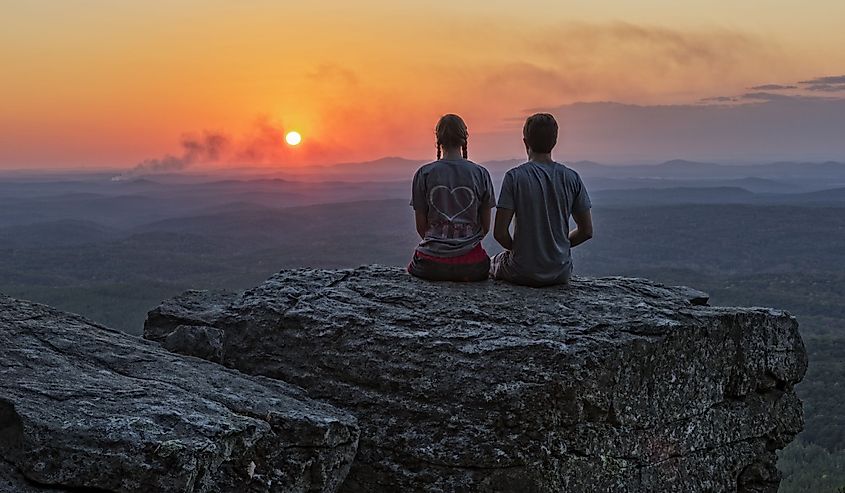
{"type": "Point", "coordinates": [540, 132]}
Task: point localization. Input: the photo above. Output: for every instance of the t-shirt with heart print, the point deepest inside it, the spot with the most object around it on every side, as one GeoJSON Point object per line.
{"type": "Point", "coordinates": [452, 192]}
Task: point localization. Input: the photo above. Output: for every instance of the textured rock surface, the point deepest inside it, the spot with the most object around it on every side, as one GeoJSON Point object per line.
{"type": "Point", "coordinates": [605, 385]}
{"type": "Point", "coordinates": [87, 408]}
{"type": "Point", "coordinates": [12, 481]}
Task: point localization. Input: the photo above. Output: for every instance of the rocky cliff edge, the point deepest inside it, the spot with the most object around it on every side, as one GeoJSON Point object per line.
{"type": "Point", "coordinates": [607, 384]}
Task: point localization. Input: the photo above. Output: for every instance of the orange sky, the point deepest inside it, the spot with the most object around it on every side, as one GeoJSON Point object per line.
{"type": "Point", "coordinates": [110, 84]}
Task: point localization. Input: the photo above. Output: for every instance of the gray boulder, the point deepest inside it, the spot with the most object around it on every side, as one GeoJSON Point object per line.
{"type": "Point", "coordinates": [613, 384]}
{"type": "Point", "coordinates": [87, 408]}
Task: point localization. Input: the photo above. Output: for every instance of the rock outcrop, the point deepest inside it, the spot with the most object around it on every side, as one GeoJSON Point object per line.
{"type": "Point", "coordinates": [86, 408]}
{"type": "Point", "coordinates": [12, 481]}
{"type": "Point", "coordinates": [605, 385]}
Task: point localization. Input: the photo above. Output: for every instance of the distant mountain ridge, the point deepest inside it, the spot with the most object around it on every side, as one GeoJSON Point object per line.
{"type": "Point", "coordinates": [816, 175]}
{"type": "Point", "coordinates": [808, 176]}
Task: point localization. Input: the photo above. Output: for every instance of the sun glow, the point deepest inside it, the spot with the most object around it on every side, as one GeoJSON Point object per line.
{"type": "Point", "coordinates": [293, 138]}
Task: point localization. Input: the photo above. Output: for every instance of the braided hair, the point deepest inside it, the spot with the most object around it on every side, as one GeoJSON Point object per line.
{"type": "Point", "coordinates": [451, 131]}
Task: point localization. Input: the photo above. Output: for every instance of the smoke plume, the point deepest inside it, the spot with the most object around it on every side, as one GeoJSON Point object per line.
{"type": "Point", "coordinates": [207, 148]}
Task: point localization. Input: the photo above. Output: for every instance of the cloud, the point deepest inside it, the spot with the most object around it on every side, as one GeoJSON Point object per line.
{"type": "Point", "coordinates": [262, 144]}
{"type": "Point", "coordinates": [772, 87]}
{"type": "Point", "coordinates": [826, 87]}
{"type": "Point", "coordinates": [719, 99]}
{"type": "Point", "coordinates": [206, 148]}
{"type": "Point", "coordinates": [619, 61]}
{"type": "Point", "coordinates": [770, 96]}
{"type": "Point", "coordinates": [685, 48]}
{"type": "Point", "coordinates": [804, 129]}
{"type": "Point", "coordinates": [834, 79]}
{"type": "Point", "coordinates": [528, 79]}
{"type": "Point", "coordinates": [616, 61]}
{"type": "Point", "coordinates": [766, 96]}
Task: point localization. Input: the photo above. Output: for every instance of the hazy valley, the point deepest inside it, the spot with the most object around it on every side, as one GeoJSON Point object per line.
{"type": "Point", "coordinates": [768, 235]}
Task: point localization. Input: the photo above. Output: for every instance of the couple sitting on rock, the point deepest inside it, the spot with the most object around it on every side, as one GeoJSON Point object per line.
{"type": "Point", "coordinates": [453, 197]}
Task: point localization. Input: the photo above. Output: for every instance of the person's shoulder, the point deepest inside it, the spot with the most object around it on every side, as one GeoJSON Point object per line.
{"type": "Point", "coordinates": [521, 167]}
{"type": "Point", "coordinates": [476, 167]}
{"type": "Point", "coordinates": [569, 171]}
{"type": "Point", "coordinates": [425, 168]}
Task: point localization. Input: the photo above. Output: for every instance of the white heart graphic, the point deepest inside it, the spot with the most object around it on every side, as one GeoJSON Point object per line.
{"type": "Point", "coordinates": [452, 192]}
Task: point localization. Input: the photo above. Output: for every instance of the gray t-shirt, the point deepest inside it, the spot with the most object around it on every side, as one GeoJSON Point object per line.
{"type": "Point", "coordinates": [453, 192]}
{"type": "Point", "coordinates": [542, 196]}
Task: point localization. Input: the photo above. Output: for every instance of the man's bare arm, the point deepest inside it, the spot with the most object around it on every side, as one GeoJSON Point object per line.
{"type": "Point", "coordinates": [422, 223]}
{"type": "Point", "coordinates": [584, 229]}
{"type": "Point", "coordinates": [501, 231]}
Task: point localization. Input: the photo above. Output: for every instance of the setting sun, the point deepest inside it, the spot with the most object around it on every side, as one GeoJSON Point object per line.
{"type": "Point", "coordinates": [293, 138]}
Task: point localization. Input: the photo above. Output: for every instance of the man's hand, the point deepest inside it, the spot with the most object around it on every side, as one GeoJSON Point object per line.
{"type": "Point", "coordinates": [584, 231]}
{"type": "Point", "coordinates": [501, 231]}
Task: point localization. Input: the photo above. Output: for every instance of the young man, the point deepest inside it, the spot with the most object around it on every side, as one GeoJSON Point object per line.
{"type": "Point", "coordinates": [542, 195]}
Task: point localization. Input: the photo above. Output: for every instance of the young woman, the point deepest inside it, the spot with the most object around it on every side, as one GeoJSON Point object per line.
{"type": "Point", "coordinates": [452, 198]}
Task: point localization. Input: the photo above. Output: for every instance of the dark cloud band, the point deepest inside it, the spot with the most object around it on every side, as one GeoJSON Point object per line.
{"type": "Point", "coordinates": [772, 87]}
{"type": "Point", "coordinates": [835, 79]}
{"type": "Point", "coordinates": [826, 87]}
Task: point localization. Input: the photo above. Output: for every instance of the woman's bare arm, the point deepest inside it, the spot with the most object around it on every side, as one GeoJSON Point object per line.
{"type": "Point", "coordinates": [486, 216]}
{"type": "Point", "coordinates": [422, 223]}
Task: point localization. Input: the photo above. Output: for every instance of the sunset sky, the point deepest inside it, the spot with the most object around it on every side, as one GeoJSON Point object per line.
{"type": "Point", "coordinates": [114, 83]}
